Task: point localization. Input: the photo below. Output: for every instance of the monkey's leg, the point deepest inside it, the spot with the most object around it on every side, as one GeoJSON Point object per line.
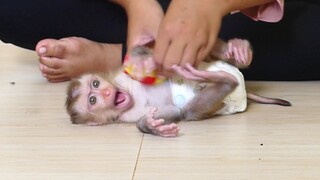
{"type": "Point", "coordinates": [210, 98]}
{"type": "Point", "coordinates": [237, 52]}
{"type": "Point", "coordinates": [207, 102]}
{"type": "Point", "coordinates": [162, 123]}
{"type": "Point", "coordinates": [240, 51]}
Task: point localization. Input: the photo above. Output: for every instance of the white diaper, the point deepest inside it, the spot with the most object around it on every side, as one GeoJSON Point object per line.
{"type": "Point", "coordinates": [184, 90]}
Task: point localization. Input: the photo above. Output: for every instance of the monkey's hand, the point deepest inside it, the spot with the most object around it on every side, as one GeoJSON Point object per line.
{"type": "Point", "coordinates": [240, 51]}
{"type": "Point", "coordinates": [148, 124]}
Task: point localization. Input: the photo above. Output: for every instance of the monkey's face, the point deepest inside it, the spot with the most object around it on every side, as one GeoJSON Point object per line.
{"type": "Point", "coordinates": [97, 101]}
{"type": "Point", "coordinates": [98, 93]}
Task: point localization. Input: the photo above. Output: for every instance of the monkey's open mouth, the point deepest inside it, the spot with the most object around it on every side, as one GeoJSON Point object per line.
{"type": "Point", "coordinates": [122, 99]}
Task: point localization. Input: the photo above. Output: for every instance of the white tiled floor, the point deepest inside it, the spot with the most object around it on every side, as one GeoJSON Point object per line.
{"type": "Point", "coordinates": [37, 141]}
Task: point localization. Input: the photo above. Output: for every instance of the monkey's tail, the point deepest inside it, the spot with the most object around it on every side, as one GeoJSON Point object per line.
{"type": "Point", "coordinates": [266, 100]}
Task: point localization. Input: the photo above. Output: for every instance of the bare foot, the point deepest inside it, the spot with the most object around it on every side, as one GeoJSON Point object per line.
{"type": "Point", "coordinates": [237, 52]}
{"type": "Point", "coordinates": [240, 51]}
{"type": "Point", "coordinates": [63, 59]}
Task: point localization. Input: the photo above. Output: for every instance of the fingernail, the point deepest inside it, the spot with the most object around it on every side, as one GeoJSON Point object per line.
{"type": "Point", "coordinates": [41, 67]}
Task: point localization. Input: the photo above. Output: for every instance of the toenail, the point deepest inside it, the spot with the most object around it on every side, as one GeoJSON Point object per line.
{"type": "Point", "coordinates": [42, 50]}
{"type": "Point", "coordinates": [51, 71]}
{"type": "Point", "coordinates": [41, 67]}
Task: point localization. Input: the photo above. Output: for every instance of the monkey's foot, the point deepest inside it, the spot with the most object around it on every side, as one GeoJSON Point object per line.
{"type": "Point", "coordinates": [240, 51]}
{"type": "Point", "coordinates": [63, 59]}
{"type": "Point", "coordinates": [158, 126]}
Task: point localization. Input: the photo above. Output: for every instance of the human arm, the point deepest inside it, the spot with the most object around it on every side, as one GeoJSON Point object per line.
{"type": "Point", "coordinates": [144, 17]}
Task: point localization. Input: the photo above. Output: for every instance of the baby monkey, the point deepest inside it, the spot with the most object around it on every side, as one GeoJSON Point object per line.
{"type": "Point", "coordinates": [213, 88]}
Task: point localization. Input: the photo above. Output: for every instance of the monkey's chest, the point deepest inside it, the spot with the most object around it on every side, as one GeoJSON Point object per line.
{"type": "Point", "coordinates": [158, 96]}
{"type": "Point", "coordinates": [182, 90]}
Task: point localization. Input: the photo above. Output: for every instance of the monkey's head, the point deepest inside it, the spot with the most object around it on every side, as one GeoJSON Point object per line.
{"type": "Point", "coordinates": [92, 99]}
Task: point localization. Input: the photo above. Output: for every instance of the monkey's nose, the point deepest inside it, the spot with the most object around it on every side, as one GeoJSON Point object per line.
{"type": "Point", "coordinates": [105, 92]}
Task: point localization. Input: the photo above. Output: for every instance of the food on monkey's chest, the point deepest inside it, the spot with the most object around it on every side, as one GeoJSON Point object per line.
{"type": "Point", "coordinates": [145, 74]}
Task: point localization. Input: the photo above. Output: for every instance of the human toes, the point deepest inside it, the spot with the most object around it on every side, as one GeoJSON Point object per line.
{"type": "Point", "coordinates": [56, 78]}
{"type": "Point", "coordinates": [50, 65]}
{"type": "Point", "coordinates": [53, 75]}
{"type": "Point", "coordinates": [48, 71]}
{"type": "Point", "coordinates": [51, 48]}
{"type": "Point", "coordinates": [51, 69]}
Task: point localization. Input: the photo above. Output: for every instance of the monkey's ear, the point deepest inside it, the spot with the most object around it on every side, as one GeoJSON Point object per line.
{"type": "Point", "coordinates": [75, 92]}
{"type": "Point", "coordinates": [74, 88]}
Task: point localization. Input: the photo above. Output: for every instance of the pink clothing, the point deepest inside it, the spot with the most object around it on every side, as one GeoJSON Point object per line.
{"type": "Point", "coordinates": [270, 12]}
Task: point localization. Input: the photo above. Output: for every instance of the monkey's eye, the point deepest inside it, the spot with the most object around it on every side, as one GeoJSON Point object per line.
{"type": "Point", "coordinates": [95, 83]}
{"type": "Point", "coordinates": [92, 100]}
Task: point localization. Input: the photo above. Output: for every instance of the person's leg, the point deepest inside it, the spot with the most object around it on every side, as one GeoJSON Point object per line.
{"type": "Point", "coordinates": [24, 23]}
{"type": "Point", "coordinates": [287, 50]}
{"type": "Point", "coordinates": [63, 59]}
{"type": "Point", "coordinates": [102, 23]}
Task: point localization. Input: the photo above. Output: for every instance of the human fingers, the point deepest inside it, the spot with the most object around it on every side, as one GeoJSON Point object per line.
{"type": "Point", "coordinates": [190, 54]}
{"type": "Point", "coordinates": [174, 54]}
{"type": "Point", "coordinates": [160, 49]}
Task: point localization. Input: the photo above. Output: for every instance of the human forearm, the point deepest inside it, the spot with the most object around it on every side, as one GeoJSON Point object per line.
{"type": "Point", "coordinates": [132, 6]}
{"type": "Point", "coordinates": [228, 6]}
{"type": "Point", "coordinates": [122, 3]}
{"type": "Point", "coordinates": [144, 17]}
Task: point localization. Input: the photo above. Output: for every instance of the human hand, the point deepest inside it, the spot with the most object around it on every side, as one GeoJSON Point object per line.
{"type": "Point", "coordinates": [187, 32]}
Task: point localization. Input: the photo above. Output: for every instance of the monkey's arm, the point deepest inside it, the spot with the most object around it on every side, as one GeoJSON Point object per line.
{"type": "Point", "coordinates": [160, 122]}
